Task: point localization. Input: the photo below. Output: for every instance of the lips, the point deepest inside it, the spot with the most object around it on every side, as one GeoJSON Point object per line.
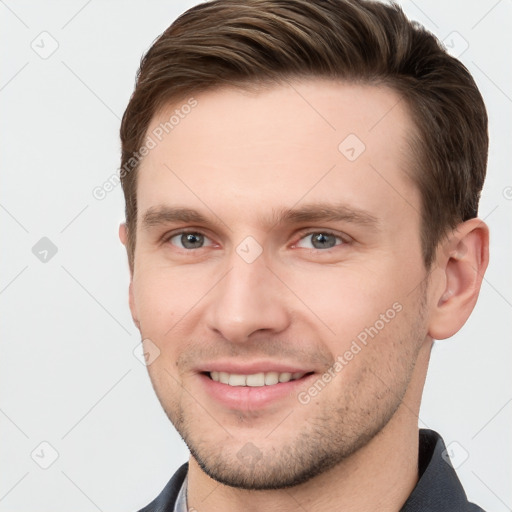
{"type": "Point", "coordinates": [256, 386]}
{"type": "Point", "coordinates": [255, 379]}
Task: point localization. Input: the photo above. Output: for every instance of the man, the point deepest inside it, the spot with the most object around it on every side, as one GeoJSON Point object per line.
{"type": "Point", "coordinates": [302, 184]}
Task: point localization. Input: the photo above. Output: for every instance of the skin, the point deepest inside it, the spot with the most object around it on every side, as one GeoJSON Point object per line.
{"type": "Point", "coordinates": [237, 157]}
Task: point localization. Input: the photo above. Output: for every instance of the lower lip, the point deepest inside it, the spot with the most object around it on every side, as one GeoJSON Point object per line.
{"type": "Point", "coordinates": [250, 398]}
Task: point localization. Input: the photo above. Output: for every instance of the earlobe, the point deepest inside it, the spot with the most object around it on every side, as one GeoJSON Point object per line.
{"type": "Point", "coordinates": [462, 260]}
{"type": "Point", "coordinates": [123, 235]}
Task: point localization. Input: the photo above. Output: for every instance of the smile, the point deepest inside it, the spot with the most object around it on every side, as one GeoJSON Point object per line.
{"type": "Point", "coordinates": [254, 379]}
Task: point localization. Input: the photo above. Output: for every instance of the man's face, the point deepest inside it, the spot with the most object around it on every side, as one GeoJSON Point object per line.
{"type": "Point", "coordinates": [270, 282]}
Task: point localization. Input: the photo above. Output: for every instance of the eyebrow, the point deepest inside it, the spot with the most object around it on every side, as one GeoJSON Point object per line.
{"type": "Point", "coordinates": [324, 212]}
{"type": "Point", "coordinates": [158, 215]}
{"type": "Point", "coordinates": [313, 212]}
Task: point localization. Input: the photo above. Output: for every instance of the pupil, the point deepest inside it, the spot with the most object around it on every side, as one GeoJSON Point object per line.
{"type": "Point", "coordinates": [323, 240]}
{"type": "Point", "coordinates": [191, 240]}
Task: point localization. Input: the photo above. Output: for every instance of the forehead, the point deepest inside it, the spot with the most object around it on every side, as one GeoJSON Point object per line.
{"type": "Point", "coordinates": [306, 141]}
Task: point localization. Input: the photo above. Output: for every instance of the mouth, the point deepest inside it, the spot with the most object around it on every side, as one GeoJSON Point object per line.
{"type": "Point", "coordinates": [244, 389]}
{"type": "Point", "coordinates": [255, 380]}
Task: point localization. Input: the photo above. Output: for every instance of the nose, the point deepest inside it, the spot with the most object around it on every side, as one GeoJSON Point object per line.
{"type": "Point", "coordinates": [249, 299]}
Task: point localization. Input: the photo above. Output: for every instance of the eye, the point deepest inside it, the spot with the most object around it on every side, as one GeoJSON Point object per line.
{"type": "Point", "coordinates": [190, 240]}
{"type": "Point", "coordinates": [319, 240]}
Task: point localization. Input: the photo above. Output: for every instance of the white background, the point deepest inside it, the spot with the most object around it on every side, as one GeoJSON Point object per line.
{"type": "Point", "coordinates": [68, 373]}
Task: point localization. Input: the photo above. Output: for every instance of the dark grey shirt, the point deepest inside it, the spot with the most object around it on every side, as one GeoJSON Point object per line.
{"type": "Point", "coordinates": [438, 488]}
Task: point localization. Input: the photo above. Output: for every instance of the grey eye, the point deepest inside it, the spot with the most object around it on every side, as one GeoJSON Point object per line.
{"type": "Point", "coordinates": [189, 240]}
{"type": "Point", "coordinates": [322, 240]}
{"type": "Point", "coordinates": [319, 240]}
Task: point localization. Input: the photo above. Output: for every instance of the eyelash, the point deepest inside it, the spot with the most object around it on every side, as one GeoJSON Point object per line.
{"type": "Point", "coordinates": [167, 238]}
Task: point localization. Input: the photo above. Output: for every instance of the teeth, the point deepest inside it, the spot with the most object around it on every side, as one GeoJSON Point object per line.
{"type": "Point", "coordinates": [271, 378]}
{"type": "Point", "coordinates": [285, 377]}
{"type": "Point", "coordinates": [237, 380]}
{"type": "Point", "coordinates": [255, 379]}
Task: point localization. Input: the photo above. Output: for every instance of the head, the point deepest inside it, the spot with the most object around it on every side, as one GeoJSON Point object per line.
{"type": "Point", "coordinates": [302, 183]}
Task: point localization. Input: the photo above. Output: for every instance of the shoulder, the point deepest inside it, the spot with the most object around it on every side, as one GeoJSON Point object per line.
{"type": "Point", "coordinates": [439, 488]}
{"type": "Point", "coordinates": [165, 501]}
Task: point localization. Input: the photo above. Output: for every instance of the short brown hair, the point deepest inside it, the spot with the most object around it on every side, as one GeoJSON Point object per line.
{"type": "Point", "coordinates": [229, 42]}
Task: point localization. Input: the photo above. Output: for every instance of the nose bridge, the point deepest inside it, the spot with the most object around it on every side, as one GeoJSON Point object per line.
{"type": "Point", "coordinates": [248, 279]}
{"type": "Point", "coordinates": [247, 299]}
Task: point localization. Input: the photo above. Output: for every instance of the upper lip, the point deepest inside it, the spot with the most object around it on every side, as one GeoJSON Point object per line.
{"type": "Point", "coordinates": [252, 368]}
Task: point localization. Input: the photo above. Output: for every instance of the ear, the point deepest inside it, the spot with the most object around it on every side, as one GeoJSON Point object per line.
{"type": "Point", "coordinates": [461, 263]}
{"type": "Point", "coordinates": [123, 236]}
{"type": "Point", "coordinates": [123, 233]}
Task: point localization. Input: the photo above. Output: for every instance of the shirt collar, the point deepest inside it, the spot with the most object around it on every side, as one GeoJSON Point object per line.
{"type": "Point", "coordinates": [438, 488]}
{"type": "Point", "coordinates": [181, 500]}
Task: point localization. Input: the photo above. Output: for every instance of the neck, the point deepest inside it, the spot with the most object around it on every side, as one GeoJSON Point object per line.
{"type": "Point", "coordinates": [379, 476]}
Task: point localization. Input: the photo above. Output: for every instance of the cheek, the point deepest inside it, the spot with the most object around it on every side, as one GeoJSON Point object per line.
{"type": "Point", "coordinates": [163, 296]}
{"type": "Point", "coordinates": [347, 300]}
{"type": "Point", "coordinates": [377, 358]}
